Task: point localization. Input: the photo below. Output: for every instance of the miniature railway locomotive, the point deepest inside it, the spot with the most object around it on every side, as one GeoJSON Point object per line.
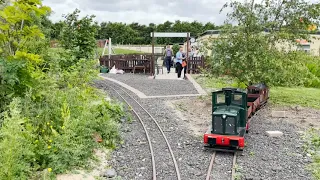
{"type": "Point", "coordinates": [232, 110]}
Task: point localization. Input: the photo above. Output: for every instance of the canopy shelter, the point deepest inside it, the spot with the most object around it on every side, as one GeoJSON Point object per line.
{"type": "Point", "coordinates": [167, 34]}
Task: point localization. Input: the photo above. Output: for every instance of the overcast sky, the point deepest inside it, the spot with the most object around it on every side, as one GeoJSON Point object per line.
{"type": "Point", "coordinates": [142, 11]}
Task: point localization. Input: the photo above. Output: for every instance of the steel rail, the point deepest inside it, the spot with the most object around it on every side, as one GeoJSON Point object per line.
{"type": "Point", "coordinates": [234, 160]}
{"type": "Point", "coordinates": [160, 129]}
{"type": "Point", "coordinates": [154, 173]}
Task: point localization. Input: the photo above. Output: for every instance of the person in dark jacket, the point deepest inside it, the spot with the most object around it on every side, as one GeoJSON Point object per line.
{"type": "Point", "coordinates": [168, 58]}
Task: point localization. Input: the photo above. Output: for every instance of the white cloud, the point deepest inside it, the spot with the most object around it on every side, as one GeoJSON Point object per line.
{"type": "Point", "coordinates": [143, 11]}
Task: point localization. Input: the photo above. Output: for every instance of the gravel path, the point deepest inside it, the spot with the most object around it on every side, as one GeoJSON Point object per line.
{"type": "Point", "coordinates": [155, 87]}
{"type": "Point", "coordinates": [273, 158]}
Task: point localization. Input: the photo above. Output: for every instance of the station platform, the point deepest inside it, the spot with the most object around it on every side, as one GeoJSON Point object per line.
{"type": "Point", "coordinates": [172, 75]}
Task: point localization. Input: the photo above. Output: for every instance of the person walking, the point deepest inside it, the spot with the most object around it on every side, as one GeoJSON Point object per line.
{"type": "Point", "coordinates": [179, 58]}
{"type": "Point", "coordinates": [184, 62]}
{"type": "Point", "coordinates": [168, 58]}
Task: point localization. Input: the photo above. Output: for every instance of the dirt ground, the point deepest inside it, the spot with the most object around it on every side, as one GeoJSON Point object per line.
{"type": "Point", "coordinates": [196, 112]}
{"type": "Point", "coordinates": [102, 155]}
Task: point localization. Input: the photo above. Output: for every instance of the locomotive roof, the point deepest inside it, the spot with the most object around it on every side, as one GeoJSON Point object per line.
{"type": "Point", "coordinates": [259, 86]}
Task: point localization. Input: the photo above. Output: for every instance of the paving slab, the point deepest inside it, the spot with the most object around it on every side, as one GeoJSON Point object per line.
{"type": "Point", "coordinates": [145, 87]}
{"type": "Point", "coordinates": [274, 133]}
{"type": "Point", "coordinates": [165, 75]}
{"type": "Point", "coordinates": [279, 114]}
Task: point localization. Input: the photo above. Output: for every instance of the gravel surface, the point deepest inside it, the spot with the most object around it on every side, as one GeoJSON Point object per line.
{"type": "Point", "coordinates": [192, 158]}
{"type": "Point", "coordinates": [222, 166]}
{"type": "Point", "coordinates": [155, 87]}
{"type": "Point", "coordinates": [264, 157]}
{"type": "Point", "coordinates": [269, 158]}
{"type": "Point", "coordinates": [132, 160]}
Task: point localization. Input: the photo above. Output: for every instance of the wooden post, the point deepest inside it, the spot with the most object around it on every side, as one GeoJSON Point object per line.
{"type": "Point", "coordinates": [188, 37]}
{"type": "Point", "coordinates": [152, 58]}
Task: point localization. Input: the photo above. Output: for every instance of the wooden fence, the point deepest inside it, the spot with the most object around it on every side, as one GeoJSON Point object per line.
{"type": "Point", "coordinates": [129, 63]}
{"type": "Point", "coordinates": [143, 62]}
{"type": "Point", "coordinates": [195, 64]}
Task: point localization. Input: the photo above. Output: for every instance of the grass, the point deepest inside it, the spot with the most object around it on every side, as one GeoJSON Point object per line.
{"type": "Point", "coordinates": [117, 51]}
{"type": "Point", "coordinates": [305, 97]}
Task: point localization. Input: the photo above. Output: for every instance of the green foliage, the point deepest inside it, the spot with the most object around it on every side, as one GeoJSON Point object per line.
{"type": "Point", "coordinates": [16, 145]}
{"type": "Point", "coordinates": [19, 73]}
{"type": "Point", "coordinates": [16, 27]}
{"type": "Point", "coordinates": [51, 117]}
{"type": "Point", "coordinates": [19, 37]}
{"type": "Point", "coordinates": [78, 35]}
{"type": "Point", "coordinates": [175, 49]}
{"type": "Point", "coordinates": [245, 53]}
{"type": "Point", "coordinates": [59, 128]}
{"type": "Point", "coordinates": [312, 147]}
{"type": "Point", "coordinates": [136, 33]}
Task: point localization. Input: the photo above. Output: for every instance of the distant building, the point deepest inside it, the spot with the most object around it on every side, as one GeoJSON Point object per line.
{"type": "Point", "coordinates": [312, 47]}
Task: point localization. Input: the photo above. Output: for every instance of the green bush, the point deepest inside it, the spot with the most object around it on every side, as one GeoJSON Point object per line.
{"type": "Point", "coordinates": [17, 151]}
{"type": "Point", "coordinates": [53, 127]}
{"type": "Point", "coordinates": [312, 147]}
{"type": "Point", "coordinates": [51, 118]}
{"type": "Point", "coordinates": [175, 49]}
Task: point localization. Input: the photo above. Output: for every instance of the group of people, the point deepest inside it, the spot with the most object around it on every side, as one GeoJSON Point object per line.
{"type": "Point", "coordinates": [180, 60]}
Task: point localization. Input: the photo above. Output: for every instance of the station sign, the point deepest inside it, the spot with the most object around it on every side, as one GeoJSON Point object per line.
{"type": "Point", "coordinates": [169, 34]}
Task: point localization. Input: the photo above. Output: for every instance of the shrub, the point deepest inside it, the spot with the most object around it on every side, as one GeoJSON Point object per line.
{"type": "Point", "coordinates": [17, 151]}
{"type": "Point", "coordinates": [312, 146]}
{"type": "Point", "coordinates": [175, 49]}
{"type": "Point", "coordinates": [54, 125]}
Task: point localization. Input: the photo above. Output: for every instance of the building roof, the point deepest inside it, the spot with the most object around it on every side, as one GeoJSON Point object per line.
{"type": "Point", "coordinates": [209, 32]}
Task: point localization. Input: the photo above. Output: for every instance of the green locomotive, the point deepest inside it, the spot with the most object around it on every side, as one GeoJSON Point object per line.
{"type": "Point", "coordinates": [231, 112]}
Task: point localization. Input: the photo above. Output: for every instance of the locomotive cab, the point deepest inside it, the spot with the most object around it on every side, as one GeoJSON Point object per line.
{"type": "Point", "coordinates": [229, 115]}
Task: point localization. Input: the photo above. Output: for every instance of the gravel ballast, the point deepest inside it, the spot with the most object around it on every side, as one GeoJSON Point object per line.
{"type": "Point", "coordinates": [222, 167]}
{"type": "Point", "coordinates": [264, 157]}
{"type": "Point", "coordinates": [192, 158]}
{"type": "Point", "coordinates": [273, 158]}
{"type": "Point", "coordinates": [155, 87]}
{"type": "Point", "coordinates": [132, 159]}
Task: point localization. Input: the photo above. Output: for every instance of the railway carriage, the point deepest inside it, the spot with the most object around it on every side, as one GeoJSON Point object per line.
{"type": "Point", "coordinates": [232, 110]}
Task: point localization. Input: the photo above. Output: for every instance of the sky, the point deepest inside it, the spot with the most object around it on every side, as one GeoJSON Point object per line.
{"type": "Point", "coordinates": [143, 11]}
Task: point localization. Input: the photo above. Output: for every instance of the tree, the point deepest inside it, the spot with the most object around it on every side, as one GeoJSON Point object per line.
{"type": "Point", "coordinates": [136, 33]}
{"type": "Point", "coordinates": [17, 28]}
{"type": "Point", "coordinates": [251, 56]}
{"type": "Point", "coordinates": [19, 32]}
{"type": "Point", "coordinates": [56, 29]}
{"type": "Point", "coordinates": [78, 35]}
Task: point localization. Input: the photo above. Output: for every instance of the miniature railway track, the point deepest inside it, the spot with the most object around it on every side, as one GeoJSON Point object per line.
{"type": "Point", "coordinates": [143, 123]}
{"type": "Point", "coordinates": [209, 173]}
